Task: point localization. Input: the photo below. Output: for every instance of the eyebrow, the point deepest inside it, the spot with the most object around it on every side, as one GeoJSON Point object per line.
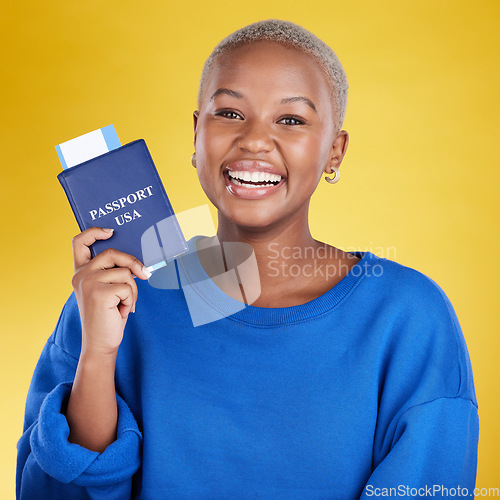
{"type": "Point", "coordinates": [232, 93]}
{"type": "Point", "coordinates": [300, 99]}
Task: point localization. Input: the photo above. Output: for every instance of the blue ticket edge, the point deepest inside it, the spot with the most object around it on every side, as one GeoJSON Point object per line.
{"type": "Point", "coordinates": [110, 138]}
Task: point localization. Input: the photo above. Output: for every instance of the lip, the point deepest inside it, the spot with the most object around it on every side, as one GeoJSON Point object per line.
{"type": "Point", "coordinates": [253, 166]}
{"type": "Point", "coordinates": [248, 193]}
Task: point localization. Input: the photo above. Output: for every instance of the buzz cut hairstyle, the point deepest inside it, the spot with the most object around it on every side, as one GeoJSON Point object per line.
{"type": "Point", "coordinates": [292, 35]}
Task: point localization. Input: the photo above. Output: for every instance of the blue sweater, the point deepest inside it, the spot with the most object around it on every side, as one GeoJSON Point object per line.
{"type": "Point", "coordinates": [368, 386]}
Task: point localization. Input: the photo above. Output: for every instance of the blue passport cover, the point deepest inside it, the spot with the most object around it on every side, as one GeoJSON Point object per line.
{"type": "Point", "coordinates": [122, 190]}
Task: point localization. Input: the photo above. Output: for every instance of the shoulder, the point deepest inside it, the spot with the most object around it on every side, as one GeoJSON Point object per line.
{"type": "Point", "coordinates": [421, 330]}
{"type": "Point", "coordinates": [409, 289]}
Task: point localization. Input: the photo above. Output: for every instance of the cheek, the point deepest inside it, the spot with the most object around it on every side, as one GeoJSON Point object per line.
{"type": "Point", "coordinates": [209, 165]}
{"type": "Point", "coordinates": [211, 143]}
{"type": "Point", "coordinates": [308, 153]}
{"type": "Point", "coordinates": [206, 176]}
{"type": "Point", "coordinates": [208, 184]}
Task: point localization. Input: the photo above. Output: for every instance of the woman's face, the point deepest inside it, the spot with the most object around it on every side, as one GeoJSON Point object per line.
{"type": "Point", "coordinates": [264, 134]}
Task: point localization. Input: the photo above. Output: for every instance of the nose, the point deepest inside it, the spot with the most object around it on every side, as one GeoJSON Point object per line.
{"type": "Point", "coordinates": [255, 138]}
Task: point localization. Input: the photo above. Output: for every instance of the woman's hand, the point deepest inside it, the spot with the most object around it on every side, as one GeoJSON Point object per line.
{"type": "Point", "coordinates": [105, 291]}
{"type": "Point", "coordinates": [105, 295]}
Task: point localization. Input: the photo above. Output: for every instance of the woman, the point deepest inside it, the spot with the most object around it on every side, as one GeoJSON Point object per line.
{"type": "Point", "coordinates": [329, 385]}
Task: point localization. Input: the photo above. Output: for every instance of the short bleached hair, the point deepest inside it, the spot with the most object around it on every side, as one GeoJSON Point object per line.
{"type": "Point", "coordinates": [291, 35]}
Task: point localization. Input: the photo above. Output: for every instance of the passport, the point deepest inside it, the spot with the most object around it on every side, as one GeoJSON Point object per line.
{"type": "Point", "coordinates": [121, 189]}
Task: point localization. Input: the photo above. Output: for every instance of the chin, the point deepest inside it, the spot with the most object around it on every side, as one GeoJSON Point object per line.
{"type": "Point", "coordinates": [251, 217]}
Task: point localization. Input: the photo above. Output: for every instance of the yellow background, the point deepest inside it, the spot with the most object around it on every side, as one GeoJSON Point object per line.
{"type": "Point", "coordinates": [419, 181]}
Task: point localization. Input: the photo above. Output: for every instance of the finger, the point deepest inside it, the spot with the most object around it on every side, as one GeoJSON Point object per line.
{"type": "Point", "coordinates": [120, 275]}
{"type": "Point", "coordinates": [123, 292]}
{"type": "Point", "coordinates": [112, 257]}
{"type": "Point", "coordinates": [81, 244]}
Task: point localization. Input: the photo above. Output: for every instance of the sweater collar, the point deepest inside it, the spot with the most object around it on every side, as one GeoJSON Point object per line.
{"type": "Point", "coordinates": [195, 281]}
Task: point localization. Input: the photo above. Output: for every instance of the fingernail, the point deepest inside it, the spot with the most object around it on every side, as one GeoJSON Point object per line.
{"type": "Point", "coordinates": [133, 308]}
{"type": "Point", "coordinates": [146, 272]}
{"type": "Point", "coordinates": [108, 229]}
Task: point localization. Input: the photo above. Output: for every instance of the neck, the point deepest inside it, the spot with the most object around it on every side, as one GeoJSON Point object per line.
{"type": "Point", "coordinates": [294, 233]}
{"type": "Point", "coordinates": [273, 247]}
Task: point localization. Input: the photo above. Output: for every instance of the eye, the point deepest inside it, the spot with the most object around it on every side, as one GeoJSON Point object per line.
{"type": "Point", "coordinates": [291, 120]}
{"type": "Point", "coordinates": [228, 113]}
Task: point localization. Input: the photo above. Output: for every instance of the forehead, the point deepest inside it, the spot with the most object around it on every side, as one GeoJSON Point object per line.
{"type": "Point", "coordinates": [271, 68]}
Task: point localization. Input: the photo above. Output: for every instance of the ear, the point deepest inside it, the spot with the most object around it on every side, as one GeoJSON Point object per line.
{"type": "Point", "coordinates": [338, 150]}
{"type": "Point", "coordinates": [196, 114]}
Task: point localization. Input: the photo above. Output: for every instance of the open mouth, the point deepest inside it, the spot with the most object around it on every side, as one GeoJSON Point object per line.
{"type": "Point", "coordinates": [254, 179]}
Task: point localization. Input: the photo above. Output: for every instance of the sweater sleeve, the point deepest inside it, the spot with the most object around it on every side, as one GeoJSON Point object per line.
{"type": "Point", "coordinates": [427, 427]}
{"type": "Point", "coordinates": [48, 465]}
{"type": "Point", "coordinates": [434, 452]}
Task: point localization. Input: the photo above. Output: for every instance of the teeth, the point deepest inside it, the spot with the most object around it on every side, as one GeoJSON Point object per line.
{"type": "Point", "coordinates": [252, 186]}
{"type": "Point", "coordinates": [255, 176]}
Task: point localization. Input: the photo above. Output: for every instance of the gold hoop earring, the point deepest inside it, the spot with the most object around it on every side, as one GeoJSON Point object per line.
{"type": "Point", "coordinates": [193, 159]}
{"type": "Point", "coordinates": [337, 175]}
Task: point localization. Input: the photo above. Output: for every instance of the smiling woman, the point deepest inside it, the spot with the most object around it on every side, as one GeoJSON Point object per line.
{"type": "Point", "coordinates": [265, 108]}
{"type": "Point", "coordinates": [346, 373]}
